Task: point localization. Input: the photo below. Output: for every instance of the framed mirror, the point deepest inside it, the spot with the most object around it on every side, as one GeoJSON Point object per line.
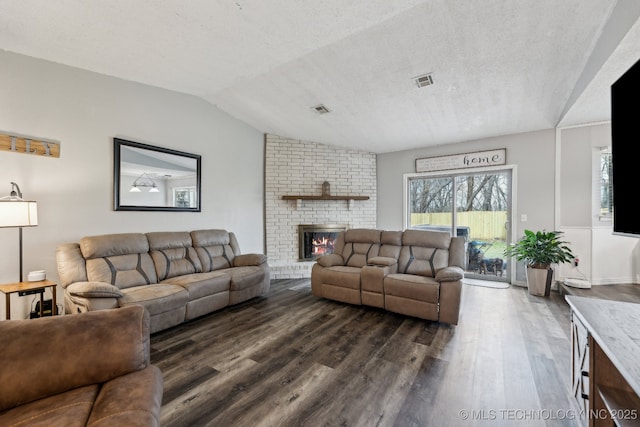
{"type": "Point", "coordinates": [149, 178]}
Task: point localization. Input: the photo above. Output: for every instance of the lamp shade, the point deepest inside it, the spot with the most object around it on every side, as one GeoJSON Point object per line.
{"type": "Point", "coordinates": [18, 213]}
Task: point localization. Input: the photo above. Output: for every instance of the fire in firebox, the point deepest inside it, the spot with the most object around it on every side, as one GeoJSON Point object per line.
{"type": "Point", "coordinates": [322, 244]}
{"type": "Point", "coordinates": [318, 239]}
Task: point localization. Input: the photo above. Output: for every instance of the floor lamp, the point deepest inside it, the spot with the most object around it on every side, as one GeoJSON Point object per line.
{"type": "Point", "coordinates": [17, 212]}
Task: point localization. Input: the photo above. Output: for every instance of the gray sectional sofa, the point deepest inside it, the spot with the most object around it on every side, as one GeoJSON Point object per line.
{"type": "Point", "coordinates": [412, 272]}
{"type": "Point", "coordinates": [176, 276]}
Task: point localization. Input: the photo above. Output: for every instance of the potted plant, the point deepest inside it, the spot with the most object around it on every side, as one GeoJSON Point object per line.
{"type": "Point", "coordinates": [539, 250]}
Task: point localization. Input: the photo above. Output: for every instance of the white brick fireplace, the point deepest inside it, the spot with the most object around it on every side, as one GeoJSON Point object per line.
{"type": "Point", "coordinates": [293, 168]}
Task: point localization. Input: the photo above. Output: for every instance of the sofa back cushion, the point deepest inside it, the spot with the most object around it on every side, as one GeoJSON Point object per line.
{"type": "Point", "coordinates": [173, 254]}
{"type": "Point", "coordinates": [216, 249]}
{"type": "Point", "coordinates": [424, 253]}
{"type": "Point", "coordinates": [390, 244]}
{"type": "Point", "coordinates": [120, 259]}
{"type": "Point", "coordinates": [71, 264]}
{"type": "Point", "coordinates": [359, 245]}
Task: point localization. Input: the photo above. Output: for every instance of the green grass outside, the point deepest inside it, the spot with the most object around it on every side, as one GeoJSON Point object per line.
{"type": "Point", "coordinates": [493, 248]}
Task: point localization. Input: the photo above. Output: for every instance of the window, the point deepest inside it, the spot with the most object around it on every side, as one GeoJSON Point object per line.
{"type": "Point", "coordinates": [606, 185]}
{"type": "Point", "coordinates": [184, 197]}
{"type": "Point", "coordinates": [474, 204]}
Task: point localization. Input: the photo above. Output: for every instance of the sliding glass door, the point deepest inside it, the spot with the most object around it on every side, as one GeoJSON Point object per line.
{"type": "Point", "coordinates": [476, 206]}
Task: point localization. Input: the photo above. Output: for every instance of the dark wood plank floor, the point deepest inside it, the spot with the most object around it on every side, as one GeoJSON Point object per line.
{"type": "Point", "coordinates": [291, 359]}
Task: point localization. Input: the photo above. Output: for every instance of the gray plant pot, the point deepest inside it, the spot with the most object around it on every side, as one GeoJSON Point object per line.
{"type": "Point", "coordinates": [539, 281]}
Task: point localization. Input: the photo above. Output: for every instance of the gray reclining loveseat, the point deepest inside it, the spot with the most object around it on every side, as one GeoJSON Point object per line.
{"type": "Point", "coordinates": [414, 272]}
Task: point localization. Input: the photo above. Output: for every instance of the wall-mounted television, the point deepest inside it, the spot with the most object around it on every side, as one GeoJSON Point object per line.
{"type": "Point", "coordinates": [625, 151]}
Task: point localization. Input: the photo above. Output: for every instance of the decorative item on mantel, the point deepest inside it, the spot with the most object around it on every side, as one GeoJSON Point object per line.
{"type": "Point", "coordinates": [326, 188]}
{"type": "Point", "coordinates": [326, 195]}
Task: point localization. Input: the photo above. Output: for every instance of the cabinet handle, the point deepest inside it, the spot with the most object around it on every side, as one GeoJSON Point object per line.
{"type": "Point", "coordinates": [585, 396]}
{"type": "Point", "coordinates": [585, 374]}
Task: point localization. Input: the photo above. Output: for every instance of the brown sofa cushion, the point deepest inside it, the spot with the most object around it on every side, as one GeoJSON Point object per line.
{"type": "Point", "coordinates": [113, 244]}
{"type": "Point", "coordinates": [412, 287]}
{"type": "Point", "coordinates": [119, 259]}
{"type": "Point", "coordinates": [201, 285]}
{"type": "Point", "coordinates": [72, 408]}
{"type": "Point", "coordinates": [173, 254]}
{"type": "Point", "coordinates": [159, 298]}
{"type": "Point", "coordinates": [215, 248]}
{"type": "Point", "coordinates": [343, 276]}
{"type": "Point", "coordinates": [359, 245]}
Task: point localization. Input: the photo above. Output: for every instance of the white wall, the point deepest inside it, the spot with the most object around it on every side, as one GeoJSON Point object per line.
{"type": "Point", "coordinates": [605, 258]}
{"type": "Point", "coordinates": [533, 154]}
{"type": "Point", "coordinates": [85, 111]}
{"type": "Point", "coordinates": [554, 188]}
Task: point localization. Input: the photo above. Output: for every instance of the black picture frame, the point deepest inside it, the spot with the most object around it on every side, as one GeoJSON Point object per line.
{"type": "Point", "coordinates": [175, 175]}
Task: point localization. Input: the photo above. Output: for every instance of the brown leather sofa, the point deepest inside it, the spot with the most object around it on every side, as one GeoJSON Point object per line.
{"type": "Point", "coordinates": [176, 276]}
{"type": "Point", "coordinates": [86, 369]}
{"type": "Point", "coordinates": [413, 272]}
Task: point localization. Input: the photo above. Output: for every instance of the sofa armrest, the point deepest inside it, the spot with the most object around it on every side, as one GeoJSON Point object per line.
{"type": "Point", "coordinates": [94, 290]}
{"type": "Point", "coordinates": [330, 260]}
{"type": "Point", "coordinates": [450, 274]}
{"type": "Point", "coordinates": [245, 260]}
{"type": "Point", "coordinates": [81, 349]}
{"type": "Point", "coordinates": [134, 399]}
{"type": "Point", "coordinates": [382, 261]}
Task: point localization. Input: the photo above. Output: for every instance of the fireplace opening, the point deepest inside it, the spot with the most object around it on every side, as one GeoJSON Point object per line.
{"type": "Point", "coordinates": [318, 239]}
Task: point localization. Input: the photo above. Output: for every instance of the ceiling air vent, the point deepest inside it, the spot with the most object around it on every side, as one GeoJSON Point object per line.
{"type": "Point", "coordinates": [424, 80]}
{"type": "Point", "coordinates": [320, 109]}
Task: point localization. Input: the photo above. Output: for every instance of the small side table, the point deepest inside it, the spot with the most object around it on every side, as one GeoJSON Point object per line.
{"type": "Point", "coordinates": [28, 288]}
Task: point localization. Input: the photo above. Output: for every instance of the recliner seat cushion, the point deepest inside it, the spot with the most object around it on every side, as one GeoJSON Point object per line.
{"type": "Point", "coordinates": [156, 298]}
{"type": "Point", "coordinates": [413, 287]}
{"type": "Point", "coordinates": [347, 277]}
{"type": "Point", "coordinates": [202, 284]}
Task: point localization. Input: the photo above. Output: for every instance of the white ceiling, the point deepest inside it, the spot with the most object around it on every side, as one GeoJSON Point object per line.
{"type": "Point", "coordinates": [499, 66]}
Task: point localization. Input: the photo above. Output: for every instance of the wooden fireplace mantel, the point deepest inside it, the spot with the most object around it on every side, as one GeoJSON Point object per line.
{"type": "Point", "coordinates": [325, 197]}
{"type": "Point", "coordinates": [349, 199]}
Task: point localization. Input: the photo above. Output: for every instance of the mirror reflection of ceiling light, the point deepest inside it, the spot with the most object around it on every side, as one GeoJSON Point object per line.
{"type": "Point", "coordinates": [144, 181]}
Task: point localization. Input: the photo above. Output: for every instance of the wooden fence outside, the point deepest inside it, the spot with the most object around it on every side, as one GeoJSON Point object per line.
{"type": "Point", "coordinates": [483, 225]}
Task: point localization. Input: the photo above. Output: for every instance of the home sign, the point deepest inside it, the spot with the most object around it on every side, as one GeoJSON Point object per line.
{"type": "Point", "coordinates": [29, 145]}
{"type": "Point", "coordinates": [462, 161]}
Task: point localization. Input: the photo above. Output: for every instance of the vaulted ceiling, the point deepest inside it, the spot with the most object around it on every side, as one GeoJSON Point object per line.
{"type": "Point", "coordinates": [497, 66]}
